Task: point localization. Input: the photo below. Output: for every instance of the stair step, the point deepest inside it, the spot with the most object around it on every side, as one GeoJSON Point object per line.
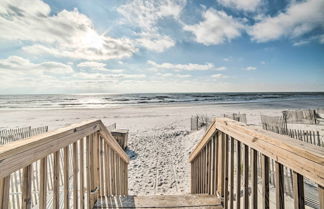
{"type": "Point", "coordinates": [191, 201]}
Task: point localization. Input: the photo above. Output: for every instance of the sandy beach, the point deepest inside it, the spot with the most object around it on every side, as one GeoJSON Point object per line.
{"type": "Point", "coordinates": [160, 139]}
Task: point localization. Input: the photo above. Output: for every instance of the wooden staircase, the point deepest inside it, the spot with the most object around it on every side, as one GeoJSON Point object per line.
{"type": "Point", "coordinates": [201, 201]}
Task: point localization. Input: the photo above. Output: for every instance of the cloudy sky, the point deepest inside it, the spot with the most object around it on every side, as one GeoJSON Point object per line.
{"type": "Point", "coordinates": [113, 46]}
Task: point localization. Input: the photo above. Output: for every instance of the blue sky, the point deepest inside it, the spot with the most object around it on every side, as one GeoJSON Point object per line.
{"type": "Point", "coordinates": [161, 46]}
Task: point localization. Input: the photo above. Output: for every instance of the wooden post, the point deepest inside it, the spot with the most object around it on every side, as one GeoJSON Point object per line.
{"type": "Point", "coordinates": [231, 205]}
{"type": "Point", "coordinates": [4, 192]}
{"type": "Point", "coordinates": [75, 175]}
{"type": "Point", "coordinates": [265, 182]}
{"type": "Point", "coordinates": [280, 198]}
{"type": "Point", "coordinates": [81, 174]}
{"type": "Point", "coordinates": [321, 196]}
{"type": "Point", "coordinates": [56, 186]}
{"type": "Point", "coordinates": [66, 177]}
{"type": "Point", "coordinates": [220, 170]}
{"type": "Point", "coordinates": [43, 183]}
{"type": "Point", "coordinates": [246, 177]}
{"type": "Point", "coordinates": [88, 177]}
{"type": "Point", "coordinates": [26, 188]}
{"type": "Point", "coordinates": [254, 179]}
{"type": "Point", "coordinates": [226, 138]}
{"type": "Point", "coordinates": [298, 185]}
{"type": "Point", "coordinates": [238, 175]}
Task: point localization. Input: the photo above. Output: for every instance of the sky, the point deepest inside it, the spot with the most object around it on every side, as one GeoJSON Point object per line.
{"type": "Point", "coordinates": [136, 46]}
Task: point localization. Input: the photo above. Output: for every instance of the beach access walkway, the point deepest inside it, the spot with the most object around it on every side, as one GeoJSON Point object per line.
{"type": "Point", "coordinates": [83, 167]}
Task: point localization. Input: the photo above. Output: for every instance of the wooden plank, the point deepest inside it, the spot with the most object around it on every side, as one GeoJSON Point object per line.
{"type": "Point", "coordinates": [226, 138]}
{"type": "Point", "coordinates": [75, 175]}
{"type": "Point", "coordinates": [82, 173]}
{"type": "Point", "coordinates": [26, 188]}
{"type": "Point", "coordinates": [298, 186]}
{"type": "Point", "coordinates": [88, 173]}
{"type": "Point", "coordinates": [280, 198]}
{"type": "Point", "coordinates": [303, 158]}
{"type": "Point", "coordinates": [107, 171]}
{"type": "Point", "coordinates": [208, 135]}
{"type": "Point", "coordinates": [246, 177]}
{"type": "Point", "coordinates": [201, 201]}
{"type": "Point", "coordinates": [4, 192]}
{"type": "Point", "coordinates": [66, 177]}
{"type": "Point", "coordinates": [265, 182]}
{"type": "Point", "coordinates": [321, 196]}
{"type": "Point", "coordinates": [43, 184]}
{"type": "Point", "coordinates": [220, 169]}
{"type": "Point", "coordinates": [20, 154]}
{"type": "Point", "coordinates": [254, 165]}
{"type": "Point", "coordinates": [101, 167]}
{"type": "Point", "coordinates": [238, 175]}
{"type": "Point", "coordinates": [231, 205]}
{"type": "Point", "coordinates": [56, 185]}
{"type": "Point", "coordinates": [112, 142]}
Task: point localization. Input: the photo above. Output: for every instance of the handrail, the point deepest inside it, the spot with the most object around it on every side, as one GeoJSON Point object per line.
{"type": "Point", "coordinates": [213, 165]}
{"type": "Point", "coordinates": [21, 153]}
{"type": "Point", "coordinates": [85, 152]}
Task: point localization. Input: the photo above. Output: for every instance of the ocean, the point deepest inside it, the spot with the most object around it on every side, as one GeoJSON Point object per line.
{"type": "Point", "coordinates": [58, 101]}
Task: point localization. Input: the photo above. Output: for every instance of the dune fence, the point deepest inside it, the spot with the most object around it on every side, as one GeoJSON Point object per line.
{"type": "Point", "coordinates": [9, 135]}
{"type": "Point", "coordinates": [237, 117]}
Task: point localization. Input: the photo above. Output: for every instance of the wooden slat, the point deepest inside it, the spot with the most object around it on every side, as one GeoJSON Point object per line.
{"type": "Point", "coordinates": [75, 175]}
{"type": "Point", "coordinates": [107, 171]}
{"type": "Point", "coordinates": [88, 173]}
{"type": "Point", "coordinates": [21, 153]}
{"type": "Point", "coordinates": [226, 138]}
{"type": "Point", "coordinates": [43, 184]}
{"type": "Point", "coordinates": [321, 196]}
{"type": "Point", "coordinates": [254, 165]}
{"type": "Point", "coordinates": [280, 198]}
{"type": "Point", "coordinates": [231, 205]}
{"type": "Point", "coordinates": [265, 182]}
{"type": "Point", "coordinates": [238, 175]}
{"type": "Point", "coordinates": [208, 135]}
{"type": "Point", "coordinates": [26, 188]}
{"type": "Point", "coordinates": [246, 177]}
{"type": "Point", "coordinates": [82, 173]}
{"type": "Point", "coordinates": [298, 186]}
{"type": "Point", "coordinates": [220, 169]}
{"type": "Point", "coordinates": [56, 185]}
{"type": "Point", "coordinates": [4, 192]}
{"type": "Point", "coordinates": [303, 158]}
{"type": "Point", "coordinates": [66, 177]}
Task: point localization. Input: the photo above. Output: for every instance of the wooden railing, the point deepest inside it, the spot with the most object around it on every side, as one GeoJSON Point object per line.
{"type": "Point", "coordinates": [227, 159]}
{"type": "Point", "coordinates": [73, 166]}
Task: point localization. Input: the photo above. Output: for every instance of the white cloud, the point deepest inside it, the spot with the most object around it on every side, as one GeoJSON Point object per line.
{"type": "Point", "coordinates": [250, 68]}
{"type": "Point", "coordinates": [155, 42]}
{"type": "Point", "coordinates": [247, 5]}
{"type": "Point", "coordinates": [67, 33]}
{"type": "Point", "coordinates": [217, 27]}
{"type": "Point", "coordinates": [145, 15]}
{"type": "Point", "coordinates": [91, 64]}
{"type": "Point", "coordinates": [97, 66]}
{"type": "Point", "coordinates": [299, 19]}
{"type": "Point", "coordinates": [188, 67]}
{"type": "Point", "coordinates": [20, 73]}
{"type": "Point", "coordinates": [15, 64]}
{"type": "Point", "coordinates": [172, 75]}
{"type": "Point", "coordinates": [218, 76]}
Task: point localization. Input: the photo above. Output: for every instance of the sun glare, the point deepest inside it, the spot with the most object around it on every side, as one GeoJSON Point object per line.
{"type": "Point", "coordinates": [92, 39]}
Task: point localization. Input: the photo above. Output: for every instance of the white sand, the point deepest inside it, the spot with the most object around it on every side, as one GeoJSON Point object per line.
{"type": "Point", "coordinates": [159, 142]}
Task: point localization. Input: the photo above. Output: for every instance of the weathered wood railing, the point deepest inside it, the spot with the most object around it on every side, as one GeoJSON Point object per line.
{"type": "Point", "coordinates": [227, 156]}
{"type": "Point", "coordinates": [87, 163]}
